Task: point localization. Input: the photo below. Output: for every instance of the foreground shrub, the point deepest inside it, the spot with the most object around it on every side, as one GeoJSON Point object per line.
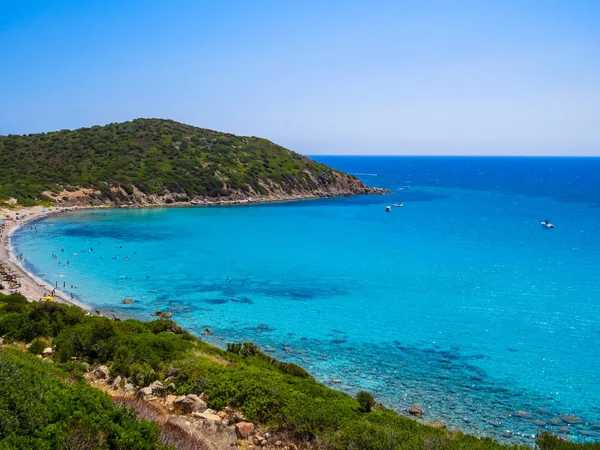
{"type": "Point", "coordinates": [365, 400]}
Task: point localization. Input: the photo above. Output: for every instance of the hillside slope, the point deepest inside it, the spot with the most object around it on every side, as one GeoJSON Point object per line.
{"type": "Point", "coordinates": [155, 161]}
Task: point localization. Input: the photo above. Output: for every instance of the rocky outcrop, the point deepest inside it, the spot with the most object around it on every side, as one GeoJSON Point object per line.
{"type": "Point", "coordinates": [244, 429]}
{"type": "Point", "coordinates": [342, 185]}
{"type": "Point", "coordinates": [190, 403]}
{"type": "Point", "coordinates": [415, 411]}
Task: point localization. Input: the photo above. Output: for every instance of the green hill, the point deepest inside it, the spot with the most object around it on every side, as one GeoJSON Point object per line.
{"type": "Point", "coordinates": [155, 161]}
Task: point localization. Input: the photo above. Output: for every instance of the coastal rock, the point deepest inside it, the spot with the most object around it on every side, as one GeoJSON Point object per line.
{"type": "Point", "coordinates": [568, 418]}
{"type": "Point", "coordinates": [157, 387]}
{"type": "Point", "coordinates": [101, 372]}
{"type": "Point", "coordinates": [128, 388]}
{"type": "Point", "coordinates": [207, 416]}
{"type": "Point", "coordinates": [522, 414]}
{"type": "Point", "coordinates": [258, 440]}
{"type": "Point", "coordinates": [438, 424]}
{"type": "Point", "coordinates": [190, 403]}
{"type": "Point", "coordinates": [165, 315]}
{"type": "Point", "coordinates": [118, 382]}
{"type": "Point", "coordinates": [556, 421]}
{"type": "Point", "coordinates": [539, 423]}
{"type": "Point", "coordinates": [143, 392]}
{"type": "Point", "coordinates": [127, 301]}
{"type": "Point", "coordinates": [171, 387]}
{"type": "Point", "coordinates": [244, 429]}
{"type": "Point", "coordinates": [47, 352]}
{"type": "Point", "coordinates": [415, 411]}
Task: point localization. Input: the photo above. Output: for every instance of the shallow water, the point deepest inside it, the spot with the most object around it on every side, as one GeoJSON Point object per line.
{"type": "Point", "coordinates": [458, 302]}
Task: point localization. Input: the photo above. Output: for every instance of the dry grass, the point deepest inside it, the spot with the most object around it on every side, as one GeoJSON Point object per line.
{"type": "Point", "coordinates": [171, 433]}
{"type": "Point", "coordinates": [181, 439]}
{"type": "Point", "coordinates": [145, 410]}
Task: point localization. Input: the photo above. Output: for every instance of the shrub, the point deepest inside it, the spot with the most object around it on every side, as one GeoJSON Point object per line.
{"type": "Point", "coordinates": [366, 401]}
{"type": "Point", "coordinates": [37, 346]}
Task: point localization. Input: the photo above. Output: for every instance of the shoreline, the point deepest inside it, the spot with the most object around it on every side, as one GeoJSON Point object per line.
{"type": "Point", "coordinates": [32, 287]}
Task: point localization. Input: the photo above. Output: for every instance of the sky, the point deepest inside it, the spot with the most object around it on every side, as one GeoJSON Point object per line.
{"type": "Point", "coordinates": [372, 77]}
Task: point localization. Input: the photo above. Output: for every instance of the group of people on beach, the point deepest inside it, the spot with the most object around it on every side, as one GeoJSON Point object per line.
{"type": "Point", "coordinates": [12, 281]}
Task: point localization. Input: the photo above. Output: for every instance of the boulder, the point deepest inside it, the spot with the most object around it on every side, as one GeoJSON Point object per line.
{"type": "Point", "coordinates": [143, 392]}
{"type": "Point", "coordinates": [244, 429]}
{"type": "Point", "coordinates": [165, 315]}
{"type": "Point", "coordinates": [415, 411]}
{"type": "Point", "coordinates": [101, 372]}
{"type": "Point", "coordinates": [539, 423]}
{"type": "Point", "coordinates": [190, 403]}
{"type": "Point", "coordinates": [522, 414]}
{"type": "Point", "coordinates": [568, 418]}
{"type": "Point", "coordinates": [127, 301]}
{"type": "Point", "coordinates": [171, 387]}
{"type": "Point", "coordinates": [207, 416]}
{"type": "Point", "coordinates": [128, 388]}
{"type": "Point", "coordinates": [118, 382]}
{"type": "Point", "coordinates": [438, 424]}
{"type": "Point", "coordinates": [47, 352]}
{"type": "Point", "coordinates": [157, 387]}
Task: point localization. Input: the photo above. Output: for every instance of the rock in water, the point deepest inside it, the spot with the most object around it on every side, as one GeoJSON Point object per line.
{"type": "Point", "coordinates": [127, 301]}
{"type": "Point", "coordinates": [438, 424]}
{"type": "Point", "coordinates": [415, 411]}
{"type": "Point", "coordinates": [165, 315]}
{"type": "Point", "coordinates": [568, 418]}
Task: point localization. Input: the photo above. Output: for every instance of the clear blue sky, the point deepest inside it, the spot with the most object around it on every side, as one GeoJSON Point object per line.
{"type": "Point", "coordinates": [318, 76]}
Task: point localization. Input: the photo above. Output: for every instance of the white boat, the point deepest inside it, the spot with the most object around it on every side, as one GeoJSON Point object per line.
{"type": "Point", "coordinates": [547, 224]}
{"type": "Point", "coordinates": [398, 204]}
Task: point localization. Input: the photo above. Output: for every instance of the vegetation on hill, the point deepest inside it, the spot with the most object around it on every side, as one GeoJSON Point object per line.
{"type": "Point", "coordinates": [155, 157]}
{"type": "Point", "coordinates": [43, 405]}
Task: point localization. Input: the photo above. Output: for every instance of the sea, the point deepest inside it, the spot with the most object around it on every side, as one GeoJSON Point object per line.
{"type": "Point", "coordinates": [458, 302]}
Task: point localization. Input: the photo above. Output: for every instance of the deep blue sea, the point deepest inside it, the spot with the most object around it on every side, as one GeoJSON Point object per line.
{"type": "Point", "coordinates": [458, 302]}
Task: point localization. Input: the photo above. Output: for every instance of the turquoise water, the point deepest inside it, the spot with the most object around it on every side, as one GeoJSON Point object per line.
{"type": "Point", "coordinates": [459, 302]}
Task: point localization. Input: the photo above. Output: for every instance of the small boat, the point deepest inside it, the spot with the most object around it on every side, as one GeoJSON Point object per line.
{"type": "Point", "coordinates": [547, 224]}
{"type": "Point", "coordinates": [388, 208]}
{"type": "Point", "coordinates": [398, 204]}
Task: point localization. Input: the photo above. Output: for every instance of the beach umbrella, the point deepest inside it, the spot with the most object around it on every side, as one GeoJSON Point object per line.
{"type": "Point", "coordinates": [49, 298]}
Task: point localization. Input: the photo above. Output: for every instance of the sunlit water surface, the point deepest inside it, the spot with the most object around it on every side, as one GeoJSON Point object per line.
{"type": "Point", "coordinates": [459, 302]}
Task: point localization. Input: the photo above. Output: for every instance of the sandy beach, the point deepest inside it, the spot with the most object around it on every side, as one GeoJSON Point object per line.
{"type": "Point", "coordinates": [32, 288]}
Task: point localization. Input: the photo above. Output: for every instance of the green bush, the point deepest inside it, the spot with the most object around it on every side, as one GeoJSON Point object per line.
{"type": "Point", "coordinates": [39, 410]}
{"type": "Point", "coordinates": [37, 346]}
{"type": "Point", "coordinates": [365, 400]}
